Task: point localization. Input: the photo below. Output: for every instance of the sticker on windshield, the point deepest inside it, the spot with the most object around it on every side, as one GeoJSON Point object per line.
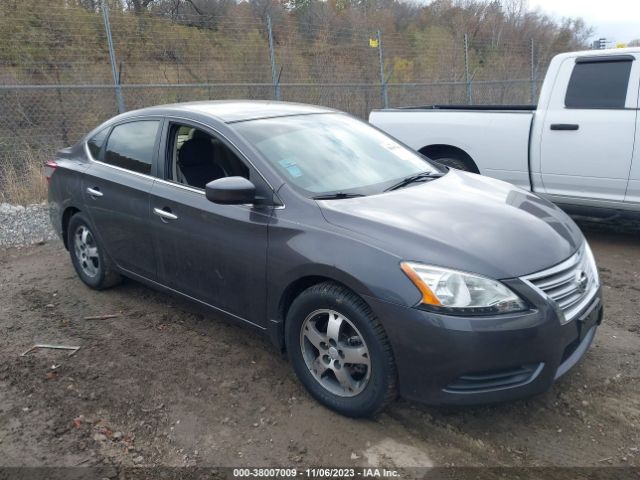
{"type": "Point", "coordinates": [397, 150]}
{"type": "Point", "coordinates": [291, 167]}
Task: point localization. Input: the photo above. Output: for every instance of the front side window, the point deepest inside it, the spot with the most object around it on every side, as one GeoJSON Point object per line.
{"type": "Point", "coordinates": [95, 143]}
{"type": "Point", "coordinates": [197, 157]}
{"type": "Point", "coordinates": [131, 145]}
{"type": "Point", "coordinates": [329, 153]}
{"type": "Point", "coordinates": [598, 84]}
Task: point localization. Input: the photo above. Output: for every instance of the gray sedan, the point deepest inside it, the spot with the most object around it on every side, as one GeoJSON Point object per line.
{"type": "Point", "coordinates": [378, 271]}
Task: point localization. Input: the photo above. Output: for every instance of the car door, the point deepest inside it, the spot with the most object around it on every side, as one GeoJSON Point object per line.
{"type": "Point", "coordinates": [632, 198]}
{"type": "Point", "coordinates": [213, 253]}
{"type": "Point", "coordinates": [116, 192]}
{"type": "Point", "coordinates": [588, 130]}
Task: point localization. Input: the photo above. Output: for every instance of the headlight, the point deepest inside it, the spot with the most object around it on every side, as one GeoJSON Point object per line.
{"type": "Point", "coordinates": [461, 293]}
{"type": "Point", "coordinates": [590, 263]}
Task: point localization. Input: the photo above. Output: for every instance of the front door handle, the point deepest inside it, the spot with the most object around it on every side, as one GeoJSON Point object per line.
{"type": "Point", "coordinates": [164, 214]}
{"type": "Point", "coordinates": [94, 192]}
{"type": "Point", "coordinates": [565, 126]}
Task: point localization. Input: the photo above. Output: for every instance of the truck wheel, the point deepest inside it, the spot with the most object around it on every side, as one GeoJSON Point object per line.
{"type": "Point", "coordinates": [452, 159]}
{"type": "Point", "coordinates": [339, 351]}
{"type": "Point", "coordinates": [89, 259]}
{"type": "Point", "coordinates": [453, 163]}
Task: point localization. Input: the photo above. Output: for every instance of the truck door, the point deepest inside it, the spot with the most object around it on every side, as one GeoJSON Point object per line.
{"type": "Point", "coordinates": [633, 188]}
{"type": "Point", "coordinates": [588, 130]}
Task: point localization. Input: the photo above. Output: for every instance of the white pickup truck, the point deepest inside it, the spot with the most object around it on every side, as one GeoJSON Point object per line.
{"type": "Point", "coordinates": [576, 147]}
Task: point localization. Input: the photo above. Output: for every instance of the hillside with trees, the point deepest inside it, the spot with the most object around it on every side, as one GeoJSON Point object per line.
{"type": "Point", "coordinates": [198, 41]}
{"type": "Point", "coordinates": [56, 79]}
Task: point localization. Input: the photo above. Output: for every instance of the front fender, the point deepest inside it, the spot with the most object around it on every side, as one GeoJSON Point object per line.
{"type": "Point", "coordinates": [328, 252]}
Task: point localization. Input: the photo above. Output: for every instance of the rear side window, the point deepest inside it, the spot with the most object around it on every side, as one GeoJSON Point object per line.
{"type": "Point", "coordinates": [95, 143]}
{"type": "Point", "coordinates": [131, 145]}
{"type": "Point", "coordinates": [598, 85]}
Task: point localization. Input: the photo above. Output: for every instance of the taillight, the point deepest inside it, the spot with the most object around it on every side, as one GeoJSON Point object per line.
{"type": "Point", "coordinates": [49, 168]}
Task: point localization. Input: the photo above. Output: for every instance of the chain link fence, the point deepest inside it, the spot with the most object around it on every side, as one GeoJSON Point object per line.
{"type": "Point", "coordinates": [65, 69]}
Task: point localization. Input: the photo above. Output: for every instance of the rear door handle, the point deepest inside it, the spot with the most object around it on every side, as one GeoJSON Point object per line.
{"type": "Point", "coordinates": [165, 215]}
{"type": "Point", "coordinates": [94, 192]}
{"type": "Point", "coordinates": [565, 126]}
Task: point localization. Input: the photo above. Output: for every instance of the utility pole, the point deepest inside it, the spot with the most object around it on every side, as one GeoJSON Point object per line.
{"type": "Point", "coordinates": [112, 57]}
{"type": "Point", "coordinates": [467, 79]}
{"type": "Point", "coordinates": [272, 55]}
{"type": "Point", "coordinates": [534, 87]}
{"type": "Point", "coordinates": [383, 81]}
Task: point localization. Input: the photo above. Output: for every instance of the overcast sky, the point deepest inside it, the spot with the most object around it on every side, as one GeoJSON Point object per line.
{"type": "Point", "coordinates": [616, 20]}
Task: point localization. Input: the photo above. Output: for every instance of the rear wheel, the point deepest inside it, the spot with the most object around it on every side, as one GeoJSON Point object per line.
{"type": "Point", "coordinates": [453, 159]}
{"type": "Point", "coordinates": [453, 163]}
{"type": "Point", "coordinates": [340, 351]}
{"type": "Point", "coordinates": [88, 257]}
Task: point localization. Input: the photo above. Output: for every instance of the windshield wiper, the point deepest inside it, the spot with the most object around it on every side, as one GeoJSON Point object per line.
{"type": "Point", "coordinates": [415, 178]}
{"type": "Point", "coordinates": [337, 196]}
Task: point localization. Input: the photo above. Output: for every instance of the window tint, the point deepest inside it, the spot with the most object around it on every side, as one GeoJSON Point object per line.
{"type": "Point", "coordinates": [131, 145]}
{"type": "Point", "coordinates": [598, 85]}
{"type": "Point", "coordinates": [95, 143]}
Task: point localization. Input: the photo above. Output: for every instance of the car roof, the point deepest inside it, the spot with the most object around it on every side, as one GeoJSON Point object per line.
{"type": "Point", "coordinates": [230, 111]}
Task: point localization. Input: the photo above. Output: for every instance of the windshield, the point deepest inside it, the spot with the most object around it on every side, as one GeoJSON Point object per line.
{"type": "Point", "coordinates": [332, 153]}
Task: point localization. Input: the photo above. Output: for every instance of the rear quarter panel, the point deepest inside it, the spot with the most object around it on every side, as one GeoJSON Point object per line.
{"type": "Point", "coordinates": [64, 186]}
{"type": "Point", "coordinates": [498, 142]}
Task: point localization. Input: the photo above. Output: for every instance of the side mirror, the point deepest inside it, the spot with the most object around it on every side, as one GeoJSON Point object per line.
{"type": "Point", "coordinates": [230, 191]}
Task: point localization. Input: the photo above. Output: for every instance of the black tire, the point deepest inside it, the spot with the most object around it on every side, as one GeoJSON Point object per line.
{"type": "Point", "coordinates": [380, 388]}
{"type": "Point", "coordinates": [452, 160]}
{"type": "Point", "coordinates": [104, 274]}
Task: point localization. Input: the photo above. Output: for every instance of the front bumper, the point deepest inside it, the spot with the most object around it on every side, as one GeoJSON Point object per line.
{"type": "Point", "coordinates": [447, 360]}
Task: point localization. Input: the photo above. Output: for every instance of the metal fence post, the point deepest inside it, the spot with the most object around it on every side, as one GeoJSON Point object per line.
{"type": "Point", "coordinates": [383, 82]}
{"type": "Point", "coordinates": [112, 57]}
{"type": "Point", "coordinates": [467, 80]}
{"type": "Point", "coordinates": [534, 87]}
{"type": "Point", "coordinates": [272, 55]}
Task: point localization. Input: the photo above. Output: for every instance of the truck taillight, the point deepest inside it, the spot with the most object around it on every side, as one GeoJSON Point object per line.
{"type": "Point", "coordinates": [49, 168]}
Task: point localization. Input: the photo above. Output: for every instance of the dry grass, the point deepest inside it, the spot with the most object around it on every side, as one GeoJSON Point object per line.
{"type": "Point", "coordinates": [25, 183]}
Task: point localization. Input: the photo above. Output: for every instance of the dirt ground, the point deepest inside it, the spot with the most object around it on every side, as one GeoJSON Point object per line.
{"type": "Point", "coordinates": [163, 384]}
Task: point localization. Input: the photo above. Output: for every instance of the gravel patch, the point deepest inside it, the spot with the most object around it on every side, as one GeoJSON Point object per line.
{"type": "Point", "coordinates": [22, 226]}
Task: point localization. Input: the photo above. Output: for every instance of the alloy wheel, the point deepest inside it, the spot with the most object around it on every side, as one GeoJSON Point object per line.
{"type": "Point", "coordinates": [86, 251]}
{"type": "Point", "coordinates": [335, 353]}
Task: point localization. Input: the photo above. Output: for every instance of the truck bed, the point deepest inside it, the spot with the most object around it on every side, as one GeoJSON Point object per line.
{"type": "Point", "coordinates": [496, 138]}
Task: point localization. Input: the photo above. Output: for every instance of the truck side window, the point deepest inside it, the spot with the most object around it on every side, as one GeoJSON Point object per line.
{"type": "Point", "coordinates": [598, 84]}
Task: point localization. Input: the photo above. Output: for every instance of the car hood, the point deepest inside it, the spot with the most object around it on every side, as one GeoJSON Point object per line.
{"type": "Point", "coordinates": [462, 221]}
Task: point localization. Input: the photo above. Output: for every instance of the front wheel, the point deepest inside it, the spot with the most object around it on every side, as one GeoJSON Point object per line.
{"type": "Point", "coordinates": [339, 351]}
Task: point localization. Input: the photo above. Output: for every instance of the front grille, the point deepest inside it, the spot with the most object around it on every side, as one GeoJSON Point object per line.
{"type": "Point", "coordinates": [494, 380]}
{"type": "Point", "coordinates": [571, 284]}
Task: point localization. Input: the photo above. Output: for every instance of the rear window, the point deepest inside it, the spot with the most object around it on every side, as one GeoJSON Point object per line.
{"type": "Point", "coordinates": [598, 84]}
{"type": "Point", "coordinates": [131, 145]}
